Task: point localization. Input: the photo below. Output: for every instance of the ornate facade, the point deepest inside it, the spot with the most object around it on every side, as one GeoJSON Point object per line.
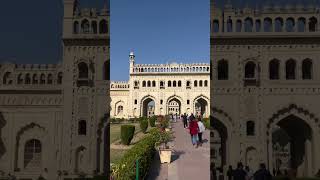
{"type": "Point", "coordinates": [168, 88]}
{"type": "Point", "coordinates": [265, 86]}
{"type": "Point", "coordinates": [53, 117]}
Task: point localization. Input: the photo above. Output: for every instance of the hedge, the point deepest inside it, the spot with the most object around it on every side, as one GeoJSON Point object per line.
{"type": "Point", "coordinates": [144, 125]}
{"type": "Point", "coordinates": [152, 121]}
{"type": "Point", "coordinates": [143, 151]}
{"type": "Point", "coordinates": [127, 133]}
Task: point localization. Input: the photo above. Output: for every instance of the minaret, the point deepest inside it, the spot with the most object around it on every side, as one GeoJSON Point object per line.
{"type": "Point", "coordinates": [131, 60]}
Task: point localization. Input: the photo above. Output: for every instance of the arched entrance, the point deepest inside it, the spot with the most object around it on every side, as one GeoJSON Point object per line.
{"type": "Point", "coordinates": [201, 107]}
{"type": "Point", "coordinates": [148, 107]}
{"type": "Point", "coordinates": [218, 141]}
{"type": "Point", "coordinates": [174, 106]}
{"type": "Point", "coordinates": [292, 146]}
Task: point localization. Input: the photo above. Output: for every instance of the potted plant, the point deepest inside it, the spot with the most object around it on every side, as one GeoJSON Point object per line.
{"type": "Point", "coordinates": [164, 149]}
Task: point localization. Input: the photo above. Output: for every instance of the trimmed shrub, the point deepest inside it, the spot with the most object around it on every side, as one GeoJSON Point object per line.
{"type": "Point", "coordinates": [127, 133]}
{"type": "Point", "coordinates": [152, 121]}
{"type": "Point", "coordinates": [144, 125]}
{"type": "Point", "coordinates": [143, 151]}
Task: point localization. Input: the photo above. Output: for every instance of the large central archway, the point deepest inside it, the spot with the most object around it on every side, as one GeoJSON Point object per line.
{"type": "Point", "coordinates": [291, 141]}
{"type": "Point", "coordinates": [148, 106]}
{"type": "Point", "coordinates": [174, 105]}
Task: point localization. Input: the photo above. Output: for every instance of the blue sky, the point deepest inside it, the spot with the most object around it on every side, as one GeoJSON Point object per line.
{"type": "Point", "coordinates": [31, 30]}
{"type": "Point", "coordinates": [158, 31]}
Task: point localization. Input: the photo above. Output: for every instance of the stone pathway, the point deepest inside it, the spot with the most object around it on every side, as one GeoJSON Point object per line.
{"type": "Point", "coordinates": [188, 162]}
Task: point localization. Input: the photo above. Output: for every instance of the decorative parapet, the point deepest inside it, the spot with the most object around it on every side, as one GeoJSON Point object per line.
{"type": "Point", "coordinates": [269, 19]}
{"type": "Point", "coordinates": [171, 68]}
{"type": "Point", "coordinates": [119, 85]}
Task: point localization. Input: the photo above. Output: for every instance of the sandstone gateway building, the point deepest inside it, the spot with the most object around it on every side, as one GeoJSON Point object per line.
{"type": "Point", "coordinates": [162, 89]}
{"type": "Point", "coordinates": [266, 87]}
{"type": "Point", "coordinates": [53, 116]}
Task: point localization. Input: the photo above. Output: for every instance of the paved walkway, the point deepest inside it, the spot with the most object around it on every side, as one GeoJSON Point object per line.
{"type": "Point", "coordinates": [188, 162]}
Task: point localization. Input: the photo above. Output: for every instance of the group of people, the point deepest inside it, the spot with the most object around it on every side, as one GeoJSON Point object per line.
{"type": "Point", "coordinates": [243, 173]}
{"type": "Point", "coordinates": [196, 128]}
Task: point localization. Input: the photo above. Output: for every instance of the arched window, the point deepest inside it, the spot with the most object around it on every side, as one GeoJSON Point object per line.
{"type": "Point", "coordinates": [290, 25]}
{"type": "Point", "coordinates": [143, 83]}
{"type": "Point", "coordinates": [27, 79]}
{"type": "Point", "coordinates": [200, 83]}
{"type": "Point", "coordinates": [85, 26]}
{"type": "Point", "coordinates": [216, 26]}
{"type": "Point", "coordinates": [50, 79]}
{"type": "Point", "coordinates": [169, 83]}
{"type": "Point", "coordinates": [20, 79]}
{"type": "Point", "coordinates": [291, 69]}
{"type": "Point", "coordinates": [174, 84]}
{"type": "Point", "coordinates": [195, 83]}
{"type": "Point", "coordinates": [307, 69]}
{"type": "Point", "coordinates": [106, 70]}
{"type": "Point", "coordinates": [135, 101]}
{"type": "Point", "coordinates": [250, 128]}
{"type": "Point", "coordinates": [205, 83]}
{"type": "Point", "coordinates": [76, 27]}
{"type": "Point", "coordinates": [250, 69]}
{"type": "Point", "coordinates": [153, 83]}
{"type": "Point", "coordinates": [301, 24]}
{"type": "Point", "coordinates": [103, 27]}
{"type": "Point", "coordinates": [35, 79]}
{"type": "Point", "coordinates": [42, 79]}
{"type": "Point", "coordinates": [120, 109]}
{"type": "Point", "coordinates": [188, 83]}
{"type": "Point", "coordinates": [313, 24]}
{"type": "Point", "coordinates": [278, 24]}
{"type": "Point", "coordinates": [248, 24]}
{"type": "Point", "coordinates": [267, 25]}
{"type": "Point", "coordinates": [274, 69]}
{"type": "Point", "coordinates": [149, 83]}
{"type": "Point", "coordinates": [6, 78]}
{"type": "Point", "coordinates": [82, 127]}
{"type": "Point", "coordinates": [229, 25]}
{"type": "Point", "coordinates": [258, 25]}
{"type": "Point", "coordinates": [83, 70]}
{"type": "Point", "coordinates": [239, 26]}
{"type": "Point", "coordinates": [32, 154]}
{"type": "Point", "coordinates": [161, 84]}
{"type": "Point", "coordinates": [179, 83]}
{"type": "Point", "coordinates": [223, 70]}
{"type": "Point", "coordinates": [59, 81]}
{"type": "Point", "coordinates": [94, 27]}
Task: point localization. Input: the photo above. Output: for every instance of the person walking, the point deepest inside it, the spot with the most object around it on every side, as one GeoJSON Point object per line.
{"type": "Point", "coordinates": [249, 173]}
{"type": "Point", "coordinates": [239, 173]}
{"type": "Point", "coordinates": [230, 173]}
{"type": "Point", "coordinates": [193, 127]}
{"type": "Point", "coordinates": [185, 120]}
{"type": "Point", "coordinates": [262, 173]}
{"type": "Point", "coordinates": [202, 128]}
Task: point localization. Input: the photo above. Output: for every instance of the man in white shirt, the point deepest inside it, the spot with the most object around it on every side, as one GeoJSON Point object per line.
{"type": "Point", "coordinates": [202, 128]}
